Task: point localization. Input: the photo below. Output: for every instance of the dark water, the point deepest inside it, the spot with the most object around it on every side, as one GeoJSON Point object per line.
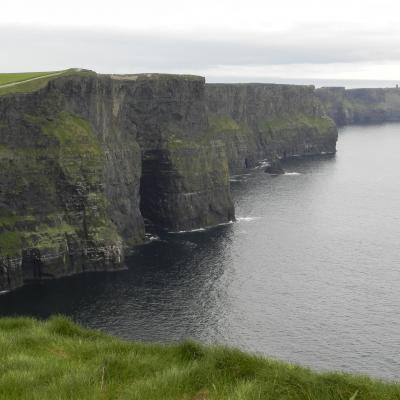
{"type": "Point", "coordinates": [310, 272]}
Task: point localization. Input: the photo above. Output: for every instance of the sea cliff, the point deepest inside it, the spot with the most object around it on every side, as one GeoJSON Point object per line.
{"type": "Point", "coordinates": [257, 121]}
{"type": "Point", "coordinates": [360, 106]}
{"type": "Point", "coordinates": [90, 162]}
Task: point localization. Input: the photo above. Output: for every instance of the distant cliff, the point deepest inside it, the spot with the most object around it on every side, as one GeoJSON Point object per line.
{"type": "Point", "coordinates": [257, 121]}
{"type": "Point", "coordinates": [88, 161]}
{"type": "Point", "coordinates": [360, 106]}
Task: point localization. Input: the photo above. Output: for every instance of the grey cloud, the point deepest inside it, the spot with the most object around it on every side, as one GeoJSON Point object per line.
{"type": "Point", "coordinates": [25, 48]}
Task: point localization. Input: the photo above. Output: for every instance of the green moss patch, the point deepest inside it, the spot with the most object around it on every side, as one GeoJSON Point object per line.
{"type": "Point", "coordinates": [222, 123]}
{"type": "Point", "coordinates": [58, 174]}
{"type": "Point", "coordinates": [298, 121]}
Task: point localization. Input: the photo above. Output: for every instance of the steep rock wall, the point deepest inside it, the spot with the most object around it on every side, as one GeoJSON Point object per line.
{"type": "Point", "coordinates": [69, 194]}
{"type": "Point", "coordinates": [185, 179]}
{"type": "Point", "coordinates": [71, 160]}
{"type": "Point", "coordinates": [360, 106]}
{"type": "Point", "coordinates": [259, 121]}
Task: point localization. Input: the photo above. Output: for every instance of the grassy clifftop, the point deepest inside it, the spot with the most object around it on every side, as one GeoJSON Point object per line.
{"type": "Point", "coordinates": [59, 360]}
{"type": "Point", "coordinates": [27, 82]}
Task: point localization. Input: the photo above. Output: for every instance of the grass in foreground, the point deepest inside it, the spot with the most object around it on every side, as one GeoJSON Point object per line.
{"type": "Point", "coordinates": [59, 360]}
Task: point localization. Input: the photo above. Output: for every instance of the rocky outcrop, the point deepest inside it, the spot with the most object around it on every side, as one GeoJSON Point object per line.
{"type": "Point", "coordinates": [258, 121]}
{"type": "Point", "coordinates": [274, 167]}
{"type": "Point", "coordinates": [360, 106]}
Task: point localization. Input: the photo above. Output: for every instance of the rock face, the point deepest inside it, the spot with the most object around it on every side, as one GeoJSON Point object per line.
{"type": "Point", "coordinates": [274, 168]}
{"type": "Point", "coordinates": [258, 121]}
{"type": "Point", "coordinates": [88, 160]}
{"type": "Point", "coordinates": [360, 106]}
{"type": "Point", "coordinates": [70, 176]}
{"type": "Point", "coordinates": [185, 177]}
{"type": "Point", "coordinates": [72, 192]}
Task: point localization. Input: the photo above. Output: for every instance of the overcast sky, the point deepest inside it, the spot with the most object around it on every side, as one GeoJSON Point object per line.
{"type": "Point", "coordinates": [249, 40]}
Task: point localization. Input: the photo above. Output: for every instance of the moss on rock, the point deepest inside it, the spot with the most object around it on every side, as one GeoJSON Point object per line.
{"type": "Point", "coordinates": [57, 207]}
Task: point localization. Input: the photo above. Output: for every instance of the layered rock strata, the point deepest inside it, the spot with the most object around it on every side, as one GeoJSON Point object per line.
{"type": "Point", "coordinates": [257, 121]}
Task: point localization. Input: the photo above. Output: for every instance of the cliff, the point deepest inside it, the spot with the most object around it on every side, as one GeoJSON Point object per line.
{"type": "Point", "coordinates": [90, 162]}
{"type": "Point", "coordinates": [258, 121]}
{"type": "Point", "coordinates": [360, 106]}
{"type": "Point", "coordinates": [72, 191]}
{"type": "Point", "coordinates": [185, 177]}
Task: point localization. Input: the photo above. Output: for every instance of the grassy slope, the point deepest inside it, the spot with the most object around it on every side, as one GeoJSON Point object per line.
{"type": "Point", "coordinates": [21, 76]}
{"type": "Point", "coordinates": [59, 360]}
{"type": "Point", "coordinates": [31, 81]}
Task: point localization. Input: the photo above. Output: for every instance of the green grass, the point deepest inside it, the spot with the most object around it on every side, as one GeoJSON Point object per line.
{"type": "Point", "coordinates": [222, 123]}
{"type": "Point", "coordinates": [300, 120]}
{"type": "Point", "coordinates": [23, 83]}
{"type": "Point", "coordinates": [21, 76]}
{"type": "Point", "coordinates": [57, 359]}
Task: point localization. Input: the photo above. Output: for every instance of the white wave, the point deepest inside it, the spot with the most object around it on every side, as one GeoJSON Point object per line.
{"type": "Point", "coordinates": [239, 178]}
{"type": "Point", "coordinates": [152, 238]}
{"type": "Point", "coordinates": [202, 229]}
{"type": "Point", "coordinates": [262, 164]}
{"type": "Point", "coordinates": [188, 231]}
{"type": "Point", "coordinates": [224, 223]}
{"type": "Point", "coordinates": [246, 219]}
{"type": "Point", "coordinates": [292, 173]}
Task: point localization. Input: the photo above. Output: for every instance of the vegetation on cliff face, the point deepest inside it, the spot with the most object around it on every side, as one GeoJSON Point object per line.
{"type": "Point", "coordinates": [321, 123]}
{"type": "Point", "coordinates": [54, 214]}
{"type": "Point", "coordinates": [284, 135]}
{"type": "Point", "coordinates": [57, 359]}
{"type": "Point", "coordinates": [299, 134]}
{"type": "Point", "coordinates": [219, 123]}
{"type": "Point", "coordinates": [258, 121]}
{"type": "Point", "coordinates": [63, 149]}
